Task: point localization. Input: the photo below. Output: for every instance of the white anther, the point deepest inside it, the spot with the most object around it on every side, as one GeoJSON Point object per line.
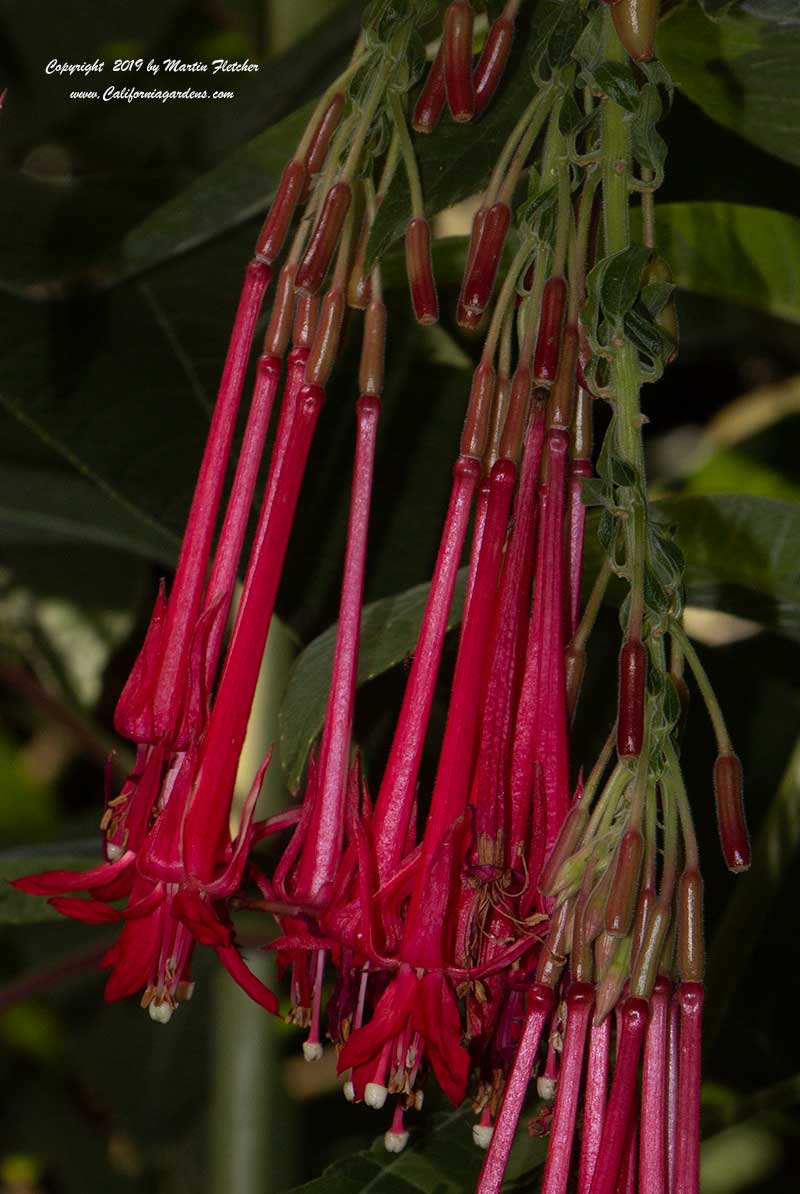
{"type": "Point", "coordinates": [482, 1135]}
{"type": "Point", "coordinates": [375, 1095]}
{"type": "Point", "coordinates": [546, 1088]}
{"type": "Point", "coordinates": [113, 852]}
{"type": "Point", "coordinates": [312, 1050]}
{"type": "Point", "coordinates": [419, 1099]}
{"type": "Point", "coordinates": [395, 1142]}
{"type": "Point", "coordinates": [349, 1092]}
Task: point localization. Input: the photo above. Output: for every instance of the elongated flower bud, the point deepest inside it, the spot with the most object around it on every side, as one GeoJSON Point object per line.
{"type": "Point", "coordinates": [566, 843]}
{"type": "Point", "coordinates": [635, 22]}
{"type": "Point", "coordinates": [632, 1025]}
{"type": "Point", "coordinates": [594, 912]}
{"type": "Point", "coordinates": [687, 1144]}
{"type": "Point", "coordinates": [625, 885]}
{"type": "Point", "coordinates": [321, 138]}
{"type": "Point", "coordinates": [548, 341]}
{"type": "Point", "coordinates": [306, 316]}
{"type": "Point", "coordinates": [730, 813]}
{"type": "Point", "coordinates": [464, 317]}
{"type": "Point", "coordinates": [324, 239]}
{"type": "Point", "coordinates": [359, 285]}
{"type": "Point", "coordinates": [279, 328]}
{"type": "Point", "coordinates": [419, 268]}
{"type": "Point", "coordinates": [648, 957]}
{"type": "Point", "coordinates": [491, 65]}
{"type": "Point", "coordinates": [691, 950]}
{"type": "Point", "coordinates": [565, 387]}
{"type": "Point", "coordinates": [290, 190]}
{"type": "Point", "coordinates": [457, 41]}
{"type": "Point", "coordinates": [370, 371]}
{"type": "Point", "coordinates": [430, 105]}
{"type": "Point", "coordinates": [476, 424]}
{"type": "Point", "coordinates": [517, 417]}
{"type": "Point", "coordinates": [630, 715]}
{"type": "Point", "coordinates": [325, 345]}
{"type": "Point", "coordinates": [481, 272]}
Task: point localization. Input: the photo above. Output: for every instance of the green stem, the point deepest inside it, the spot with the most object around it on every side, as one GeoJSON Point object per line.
{"type": "Point", "coordinates": [724, 744]}
{"type": "Point", "coordinates": [409, 157]}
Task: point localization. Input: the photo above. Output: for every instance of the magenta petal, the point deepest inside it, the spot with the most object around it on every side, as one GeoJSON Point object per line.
{"type": "Point", "coordinates": [198, 915]}
{"type": "Point", "coordinates": [134, 957]}
{"type": "Point", "coordinates": [133, 716]}
{"type": "Point", "coordinates": [435, 1016]}
{"type": "Point", "coordinates": [91, 912]}
{"type": "Point", "coordinates": [240, 972]}
{"type": "Point", "coordinates": [48, 883]}
{"type": "Point", "coordinates": [276, 823]}
{"type": "Point", "coordinates": [231, 878]}
{"type": "Point", "coordinates": [389, 1016]}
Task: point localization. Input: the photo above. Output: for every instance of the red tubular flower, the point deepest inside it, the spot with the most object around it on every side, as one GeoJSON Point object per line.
{"type": "Point", "coordinates": [632, 681]}
{"type": "Point", "coordinates": [457, 42]}
{"type": "Point", "coordinates": [290, 192]}
{"type": "Point", "coordinates": [594, 1101]}
{"type": "Point", "coordinates": [419, 268]}
{"type": "Point", "coordinates": [430, 105]}
{"type": "Point", "coordinates": [318, 255]}
{"type": "Point", "coordinates": [491, 64]}
{"type": "Point", "coordinates": [482, 267]}
{"type": "Point", "coordinates": [687, 1133]}
{"type": "Point", "coordinates": [653, 1144]}
{"type": "Point", "coordinates": [731, 823]}
{"type": "Point", "coordinates": [622, 1100]}
{"type": "Point", "coordinates": [579, 1007]}
{"type": "Point", "coordinates": [548, 341]}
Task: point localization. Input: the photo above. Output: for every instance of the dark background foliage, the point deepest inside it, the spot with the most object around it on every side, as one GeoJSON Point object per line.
{"type": "Point", "coordinates": [126, 229]}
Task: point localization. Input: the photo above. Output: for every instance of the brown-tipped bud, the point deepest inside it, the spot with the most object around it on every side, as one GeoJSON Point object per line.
{"type": "Point", "coordinates": [325, 345]}
{"type": "Point", "coordinates": [373, 346]}
{"type": "Point", "coordinates": [314, 266]}
{"type": "Point", "coordinates": [647, 958]}
{"type": "Point", "coordinates": [280, 323]}
{"type": "Point", "coordinates": [306, 317]}
{"type": "Point", "coordinates": [481, 272]}
{"type": "Point", "coordinates": [564, 846]}
{"type": "Point", "coordinates": [470, 321]}
{"type": "Point", "coordinates": [630, 712]}
{"type": "Point", "coordinates": [731, 821]}
{"type": "Point", "coordinates": [564, 390]}
{"type": "Point", "coordinates": [555, 950]}
{"type": "Point", "coordinates": [430, 105]}
{"type": "Point", "coordinates": [625, 885]}
{"type": "Point", "coordinates": [290, 191]}
{"type": "Point", "coordinates": [491, 65]}
{"type": "Point", "coordinates": [691, 949]}
{"type": "Point", "coordinates": [502, 395]}
{"type": "Point", "coordinates": [574, 670]}
{"type": "Point", "coordinates": [517, 417]}
{"type": "Point", "coordinates": [457, 42]}
{"type": "Point", "coordinates": [551, 321]}
{"type": "Point", "coordinates": [595, 911]}
{"type": "Point", "coordinates": [612, 983]}
{"type": "Point", "coordinates": [359, 285]}
{"type": "Point", "coordinates": [321, 137]}
{"type": "Point", "coordinates": [419, 267]}
{"type": "Point", "coordinates": [635, 22]}
{"type": "Point", "coordinates": [476, 424]}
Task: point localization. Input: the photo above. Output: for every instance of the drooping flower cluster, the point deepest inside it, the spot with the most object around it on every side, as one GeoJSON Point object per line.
{"type": "Point", "coordinates": [526, 912]}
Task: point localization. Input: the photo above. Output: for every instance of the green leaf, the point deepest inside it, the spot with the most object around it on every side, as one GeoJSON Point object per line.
{"type": "Point", "coordinates": [748, 255]}
{"type": "Point", "coordinates": [389, 630]}
{"type": "Point", "coordinates": [741, 557]}
{"type": "Point", "coordinates": [616, 80]}
{"type": "Point", "coordinates": [442, 1160]}
{"type": "Point", "coordinates": [741, 70]}
{"type": "Point", "coordinates": [621, 279]}
{"type": "Point", "coordinates": [17, 907]}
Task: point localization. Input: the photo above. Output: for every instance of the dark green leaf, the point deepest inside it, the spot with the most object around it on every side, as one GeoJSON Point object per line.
{"type": "Point", "coordinates": [739, 69]}
{"type": "Point", "coordinates": [617, 81]}
{"type": "Point", "coordinates": [442, 1160]}
{"type": "Point", "coordinates": [621, 278]}
{"type": "Point", "coordinates": [746, 254]}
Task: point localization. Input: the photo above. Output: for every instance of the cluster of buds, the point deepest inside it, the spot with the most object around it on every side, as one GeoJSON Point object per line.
{"type": "Point", "coordinates": [532, 921]}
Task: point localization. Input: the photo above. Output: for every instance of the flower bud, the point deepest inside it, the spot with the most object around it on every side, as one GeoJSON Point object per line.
{"type": "Point", "coordinates": [359, 285]}
{"type": "Point", "coordinates": [481, 271]}
{"type": "Point", "coordinates": [564, 846]}
{"type": "Point", "coordinates": [647, 958]}
{"type": "Point", "coordinates": [306, 316]}
{"type": "Point", "coordinates": [457, 42]}
{"type": "Point", "coordinates": [476, 424]}
{"type": "Point", "coordinates": [548, 341]}
{"type": "Point", "coordinates": [325, 345]}
{"type": "Point", "coordinates": [491, 65]}
{"type": "Point", "coordinates": [555, 950]}
{"type": "Point", "coordinates": [730, 813]}
{"type": "Point", "coordinates": [324, 239]}
{"type": "Point", "coordinates": [430, 105]}
{"type": "Point", "coordinates": [691, 950]}
{"type": "Point", "coordinates": [564, 391]}
{"type": "Point", "coordinates": [625, 884]}
{"type": "Point", "coordinates": [502, 396]}
{"type": "Point", "coordinates": [595, 910]}
{"type": "Point", "coordinates": [635, 22]}
{"type": "Point", "coordinates": [280, 322]}
{"type": "Point", "coordinates": [517, 416]}
{"type": "Point", "coordinates": [612, 984]}
{"type": "Point", "coordinates": [630, 714]}
{"type": "Point", "coordinates": [419, 268]}
{"type": "Point", "coordinates": [321, 138]}
{"type": "Point", "coordinates": [290, 190]}
{"type": "Point", "coordinates": [370, 371]}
